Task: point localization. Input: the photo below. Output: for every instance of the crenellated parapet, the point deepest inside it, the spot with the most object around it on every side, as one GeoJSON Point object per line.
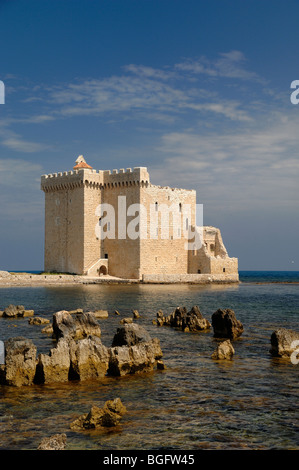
{"type": "Point", "coordinates": [99, 179]}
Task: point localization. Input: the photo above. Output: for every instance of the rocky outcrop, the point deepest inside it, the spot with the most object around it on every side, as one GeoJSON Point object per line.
{"type": "Point", "coordinates": [55, 366]}
{"type": "Point", "coordinates": [226, 325]}
{"type": "Point", "coordinates": [186, 321]}
{"type": "Point", "coordinates": [284, 342]}
{"type": "Point", "coordinates": [224, 350]}
{"type": "Point", "coordinates": [108, 416]}
{"type": "Point", "coordinates": [20, 362]}
{"type": "Point", "coordinates": [136, 351]}
{"type": "Point", "coordinates": [55, 442]}
{"type": "Point", "coordinates": [132, 351]}
{"type": "Point", "coordinates": [89, 359]}
{"type": "Point", "coordinates": [13, 311]}
{"type": "Point", "coordinates": [76, 326]}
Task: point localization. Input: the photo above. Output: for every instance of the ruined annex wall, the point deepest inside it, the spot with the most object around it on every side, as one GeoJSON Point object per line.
{"type": "Point", "coordinates": [212, 257]}
{"type": "Point", "coordinates": [167, 255]}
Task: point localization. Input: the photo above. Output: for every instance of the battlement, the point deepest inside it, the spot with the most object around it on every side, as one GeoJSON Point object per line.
{"type": "Point", "coordinates": [98, 178]}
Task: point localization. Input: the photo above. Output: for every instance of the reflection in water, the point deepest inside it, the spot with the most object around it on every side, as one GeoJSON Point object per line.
{"type": "Point", "coordinates": [196, 403]}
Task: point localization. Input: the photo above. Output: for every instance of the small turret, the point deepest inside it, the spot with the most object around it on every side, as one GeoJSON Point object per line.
{"type": "Point", "coordinates": [81, 163]}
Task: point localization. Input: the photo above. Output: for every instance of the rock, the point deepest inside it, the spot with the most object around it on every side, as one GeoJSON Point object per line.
{"type": "Point", "coordinates": [161, 365]}
{"type": "Point", "coordinates": [135, 314]}
{"type": "Point", "coordinates": [75, 326]}
{"type": "Point", "coordinates": [13, 311]}
{"type": "Point", "coordinates": [5, 274]}
{"type": "Point", "coordinates": [224, 350]}
{"type": "Point", "coordinates": [48, 330]}
{"type": "Point", "coordinates": [116, 312]}
{"type": "Point", "coordinates": [55, 442]}
{"type": "Point", "coordinates": [226, 325]}
{"type": "Point", "coordinates": [89, 359]}
{"type": "Point", "coordinates": [108, 416]}
{"type": "Point", "coordinates": [100, 313]}
{"type": "Point", "coordinates": [129, 335]}
{"type": "Point", "coordinates": [186, 321]}
{"type": "Point", "coordinates": [284, 342]}
{"type": "Point", "coordinates": [1, 313]}
{"type": "Point", "coordinates": [38, 321]}
{"type": "Point", "coordinates": [126, 320]}
{"type": "Point", "coordinates": [141, 357]}
{"type": "Point", "coordinates": [55, 366]}
{"type": "Point", "coordinates": [20, 362]}
{"type": "Point", "coordinates": [77, 310]}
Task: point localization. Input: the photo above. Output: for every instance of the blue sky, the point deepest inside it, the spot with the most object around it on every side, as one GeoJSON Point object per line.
{"type": "Point", "coordinates": [197, 91]}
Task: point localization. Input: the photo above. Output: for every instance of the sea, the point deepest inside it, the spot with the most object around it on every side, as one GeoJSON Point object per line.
{"type": "Point", "coordinates": [195, 403]}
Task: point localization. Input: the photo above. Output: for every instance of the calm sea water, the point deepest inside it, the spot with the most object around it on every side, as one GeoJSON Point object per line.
{"type": "Point", "coordinates": [250, 402]}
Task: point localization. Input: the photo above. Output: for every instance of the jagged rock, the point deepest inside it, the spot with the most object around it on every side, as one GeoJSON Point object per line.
{"type": "Point", "coordinates": [89, 358]}
{"type": "Point", "coordinates": [38, 321]}
{"type": "Point", "coordinates": [75, 326]}
{"type": "Point", "coordinates": [129, 335]}
{"type": "Point", "coordinates": [126, 320]}
{"type": "Point", "coordinates": [133, 351]}
{"type": "Point", "coordinates": [284, 342]}
{"type": "Point", "coordinates": [224, 350]}
{"type": "Point", "coordinates": [13, 311]}
{"type": "Point", "coordinates": [55, 366]}
{"type": "Point", "coordinates": [226, 325]}
{"type": "Point", "coordinates": [132, 359]}
{"type": "Point", "coordinates": [55, 442]}
{"type": "Point", "coordinates": [135, 314]}
{"type": "Point", "coordinates": [108, 416]}
{"type": "Point", "coordinates": [20, 362]}
{"type": "Point", "coordinates": [181, 318]}
{"type": "Point", "coordinates": [48, 330]}
{"type": "Point", "coordinates": [161, 365]}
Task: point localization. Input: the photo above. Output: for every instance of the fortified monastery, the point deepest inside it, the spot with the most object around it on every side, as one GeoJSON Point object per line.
{"type": "Point", "coordinates": [79, 240]}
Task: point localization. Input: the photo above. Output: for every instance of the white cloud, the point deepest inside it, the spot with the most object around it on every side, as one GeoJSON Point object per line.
{"type": "Point", "coordinates": [250, 168]}
{"type": "Point", "coordinates": [229, 65]}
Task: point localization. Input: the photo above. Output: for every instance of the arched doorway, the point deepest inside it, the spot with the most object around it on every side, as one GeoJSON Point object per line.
{"type": "Point", "coordinates": [103, 270]}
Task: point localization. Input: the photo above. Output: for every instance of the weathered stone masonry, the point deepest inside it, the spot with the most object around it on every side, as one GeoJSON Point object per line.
{"type": "Point", "coordinates": [71, 244]}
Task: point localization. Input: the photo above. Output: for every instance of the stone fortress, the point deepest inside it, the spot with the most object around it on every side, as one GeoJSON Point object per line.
{"type": "Point", "coordinates": [73, 245]}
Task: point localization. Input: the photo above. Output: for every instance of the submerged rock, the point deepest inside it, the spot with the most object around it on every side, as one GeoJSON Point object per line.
{"type": "Point", "coordinates": [226, 325]}
{"type": "Point", "coordinates": [20, 362]}
{"type": "Point", "coordinates": [38, 321]}
{"type": "Point", "coordinates": [224, 350]}
{"type": "Point", "coordinates": [55, 442]}
{"type": "Point", "coordinates": [284, 342]}
{"type": "Point", "coordinates": [108, 416]}
{"type": "Point", "coordinates": [186, 321]}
